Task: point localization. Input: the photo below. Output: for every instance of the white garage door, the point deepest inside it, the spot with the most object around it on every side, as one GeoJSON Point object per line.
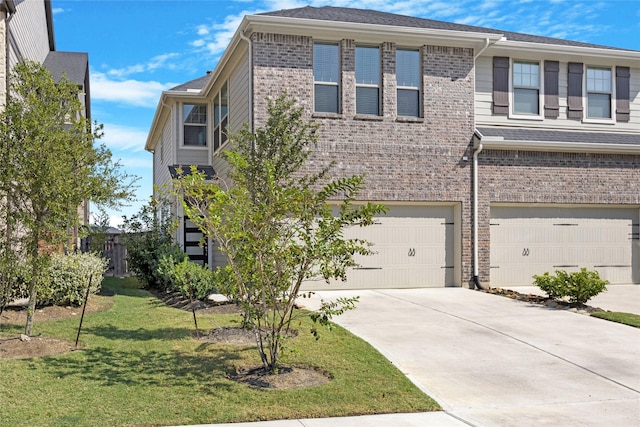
{"type": "Point", "coordinates": [414, 247]}
{"type": "Point", "coordinates": [527, 241]}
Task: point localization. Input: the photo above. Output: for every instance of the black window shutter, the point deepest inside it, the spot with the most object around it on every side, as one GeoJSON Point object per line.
{"type": "Point", "coordinates": [500, 85]}
{"type": "Point", "coordinates": [551, 103]}
{"type": "Point", "coordinates": [574, 101]}
{"type": "Point", "coordinates": [622, 94]}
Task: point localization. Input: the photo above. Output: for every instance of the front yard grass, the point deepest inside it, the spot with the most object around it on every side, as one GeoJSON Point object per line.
{"type": "Point", "coordinates": [139, 365]}
{"type": "Point", "coordinates": [620, 317]}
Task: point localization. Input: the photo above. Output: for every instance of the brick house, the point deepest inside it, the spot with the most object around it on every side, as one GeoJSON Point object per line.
{"type": "Point", "coordinates": [501, 155]}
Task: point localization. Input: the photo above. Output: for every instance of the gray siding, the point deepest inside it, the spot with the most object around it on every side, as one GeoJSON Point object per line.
{"type": "Point", "coordinates": [29, 36]}
{"type": "Point", "coordinates": [484, 99]}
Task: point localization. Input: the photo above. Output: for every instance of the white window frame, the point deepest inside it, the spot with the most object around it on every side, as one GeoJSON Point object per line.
{"type": "Point", "coordinates": [370, 85]}
{"type": "Point", "coordinates": [328, 83]}
{"type": "Point", "coordinates": [220, 125]}
{"type": "Point", "coordinates": [205, 125]}
{"type": "Point", "coordinates": [612, 95]}
{"type": "Point", "coordinates": [413, 88]}
{"type": "Point", "coordinates": [513, 87]}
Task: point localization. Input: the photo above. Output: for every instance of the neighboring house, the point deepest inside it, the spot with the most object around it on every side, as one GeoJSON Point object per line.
{"type": "Point", "coordinates": [501, 155]}
{"type": "Point", "coordinates": [26, 33]}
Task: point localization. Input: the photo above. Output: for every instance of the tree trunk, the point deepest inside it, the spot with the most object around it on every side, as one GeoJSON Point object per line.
{"type": "Point", "coordinates": [33, 289]}
{"type": "Point", "coordinates": [32, 307]}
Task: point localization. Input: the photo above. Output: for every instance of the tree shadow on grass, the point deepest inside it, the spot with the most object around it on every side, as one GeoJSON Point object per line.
{"type": "Point", "coordinates": [109, 367]}
{"type": "Point", "coordinates": [140, 334]}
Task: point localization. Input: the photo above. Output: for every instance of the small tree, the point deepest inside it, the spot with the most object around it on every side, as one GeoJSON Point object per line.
{"type": "Point", "coordinates": [50, 166]}
{"type": "Point", "coordinates": [275, 224]}
{"type": "Point", "coordinates": [148, 239]}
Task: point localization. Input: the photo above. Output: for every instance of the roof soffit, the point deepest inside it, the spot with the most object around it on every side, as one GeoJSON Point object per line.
{"type": "Point", "coordinates": [604, 56]}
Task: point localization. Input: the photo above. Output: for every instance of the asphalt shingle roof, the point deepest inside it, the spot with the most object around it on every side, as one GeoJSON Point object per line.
{"type": "Point", "coordinates": [196, 84]}
{"type": "Point", "coordinates": [519, 134]}
{"type": "Point", "coordinates": [341, 14]}
{"type": "Point", "coordinates": [73, 64]}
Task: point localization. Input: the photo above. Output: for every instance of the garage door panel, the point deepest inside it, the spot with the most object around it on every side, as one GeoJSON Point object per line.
{"type": "Point", "coordinates": [533, 240]}
{"type": "Point", "coordinates": [413, 247]}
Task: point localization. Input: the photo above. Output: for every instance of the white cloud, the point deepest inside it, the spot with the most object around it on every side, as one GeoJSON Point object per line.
{"type": "Point", "coordinates": [118, 137]}
{"type": "Point", "coordinates": [131, 92]}
{"type": "Point", "coordinates": [155, 63]}
{"type": "Point", "coordinates": [214, 38]}
{"type": "Point", "coordinates": [57, 10]}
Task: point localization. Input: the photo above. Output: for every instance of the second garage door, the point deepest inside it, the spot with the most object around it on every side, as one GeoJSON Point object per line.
{"type": "Point", "coordinates": [414, 247]}
{"type": "Point", "coordinates": [531, 240]}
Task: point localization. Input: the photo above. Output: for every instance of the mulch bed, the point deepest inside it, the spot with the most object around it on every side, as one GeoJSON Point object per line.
{"type": "Point", "coordinates": [542, 300]}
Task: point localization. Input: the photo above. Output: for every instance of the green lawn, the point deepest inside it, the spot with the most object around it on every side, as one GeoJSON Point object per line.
{"type": "Point", "coordinates": [625, 318]}
{"type": "Point", "coordinates": [140, 366]}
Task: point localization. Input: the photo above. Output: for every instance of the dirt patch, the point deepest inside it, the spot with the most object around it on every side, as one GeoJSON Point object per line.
{"type": "Point", "coordinates": [18, 315]}
{"type": "Point", "coordinates": [230, 335]}
{"type": "Point", "coordinates": [11, 347]}
{"type": "Point", "coordinates": [14, 348]}
{"type": "Point", "coordinates": [288, 377]}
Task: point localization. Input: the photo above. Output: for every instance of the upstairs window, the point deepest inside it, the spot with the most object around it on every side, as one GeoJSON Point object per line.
{"type": "Point", "coordinates": [220, 117]}
{"type": "Point", "coordinates": [526, 88]}
{"type": "Point", "coordinates": [195, 125]}
{"type": "Point", "coordinates": [326, 76]}
{"type": "Point", "coordinates": [598, 93]}
{"type": "Point", "coordinates": [368, 80]}
{"type": "Point", "coordinates": [408, 82]}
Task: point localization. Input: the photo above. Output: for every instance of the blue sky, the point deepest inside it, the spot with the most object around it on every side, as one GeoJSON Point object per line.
{"type": "Point", "coordinates": [138, 48]}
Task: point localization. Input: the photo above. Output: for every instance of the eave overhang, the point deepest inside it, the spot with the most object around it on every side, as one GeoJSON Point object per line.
{"type": "Point", "coordinates": [375, 33]}
{"type": "Point", "coordinates": [502, 143]}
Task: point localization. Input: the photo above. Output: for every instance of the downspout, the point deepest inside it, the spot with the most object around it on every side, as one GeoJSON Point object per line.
{"type": "Point", "coordinates": [477, 150]}
{"type": "Point", "coordinates": [248, 40]}
{"type": "Point", "coordinates": [476, 279]}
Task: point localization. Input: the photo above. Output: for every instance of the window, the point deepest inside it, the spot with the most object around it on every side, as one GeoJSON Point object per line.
{"type": "Point", "coordinates": [367, 80]}
{"type": "Point", "coordinates": [195, 124]}
{"type": "Point", "coordinates": [598, 93]}
{"type": "Point", "coordinates": [526, 88]}
{"type": "Point", "coordinates": [408, 82]}
{"type": "Point", "coordinates": [326, 76]}
{"type": "Point", "coordinates": [220, 117]}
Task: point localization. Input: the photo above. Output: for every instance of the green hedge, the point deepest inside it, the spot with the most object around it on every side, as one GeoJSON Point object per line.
{"type": "Point", "coordinates": [68, 278]}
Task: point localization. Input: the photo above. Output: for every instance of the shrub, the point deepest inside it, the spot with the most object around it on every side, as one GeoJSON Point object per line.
{"type": "Point", "coordinates": [148, 240]}
{"type": "Point", "coordinates": [68, 277]}
{"type": "Point", "coordinates": [579, 287]}
{"type": "Point", "coordinates": [186, 277]}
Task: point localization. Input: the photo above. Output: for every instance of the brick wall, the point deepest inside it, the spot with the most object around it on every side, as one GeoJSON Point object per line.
{"type": "Point", "coordinates": [403, 159]}
{"type": "Point", "coordinates": [552, 178]}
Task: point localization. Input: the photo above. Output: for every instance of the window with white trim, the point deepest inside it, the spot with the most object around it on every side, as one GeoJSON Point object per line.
{"type": "Point", "coordinates": [220, 117]}
{"type": "Point", "coordinates": [526, 87]}
{"type": "Point", "coordinates": [408, 82]}
{"type": "Point", "coordinates": [194, 118]}
{"type": "Point", "coordinates": [598, 93]}
{"type": "Point", "coordinates": [368, 80]}
{"type": "Point", "coordinates": [326, 76]}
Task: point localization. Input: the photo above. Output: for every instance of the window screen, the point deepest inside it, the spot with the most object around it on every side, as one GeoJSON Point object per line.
{"type": "Point", "coordinates": [326, 75]}
{"type": "Point", "coordinates": [367, 80]}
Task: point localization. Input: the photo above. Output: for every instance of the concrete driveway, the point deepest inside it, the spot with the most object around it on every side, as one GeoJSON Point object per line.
{"type": "Point", "coordinates": [493, 361]}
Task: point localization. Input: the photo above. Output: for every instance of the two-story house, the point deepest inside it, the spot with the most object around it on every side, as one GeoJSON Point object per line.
{"type": "Point", "coordinates": [500, 155]}
{"type": "Point", "coordinates": [26, 33]}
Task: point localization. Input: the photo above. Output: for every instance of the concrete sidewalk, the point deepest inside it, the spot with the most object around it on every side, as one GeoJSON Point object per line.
{"type": "Point", "coordinates": [493, 361]}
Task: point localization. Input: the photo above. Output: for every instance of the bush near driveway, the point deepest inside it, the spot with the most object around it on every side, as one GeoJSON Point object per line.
{"type": "Point", "coordinates": [579, 287]}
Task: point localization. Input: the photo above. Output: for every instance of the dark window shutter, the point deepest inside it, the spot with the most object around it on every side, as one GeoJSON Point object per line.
{"type": "Point", "coordinates": [500, 85]}
{"type": "Point", "coordinates": [622, 94]}
{"type": "Point", "coordinates": [551, 104]}
{"type": "Point", "coordinates": [574, 110]}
